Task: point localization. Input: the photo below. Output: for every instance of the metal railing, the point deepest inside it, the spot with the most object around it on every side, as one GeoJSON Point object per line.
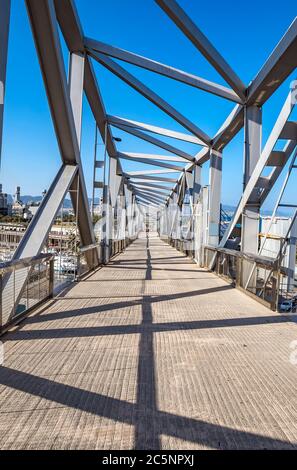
{"type": "Point", "coordinates": [235, 267]}
{"type": "Point", "coordinates": [24, 285]}
{"type": "Point", "coordinates": [86, 257]}
{"type": "Point", "coordinates": [27, 283]}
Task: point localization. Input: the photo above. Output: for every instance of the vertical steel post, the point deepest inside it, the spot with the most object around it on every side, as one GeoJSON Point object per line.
{"type": "Point", "coordinates": [105, 201]}
{"type": "Point", "coordinates": [51, 278]}
{"type": "Point", "coordinates": [215, 187]}
{"type": "Point", "coordinates": [1, 307]}
{"type": "Point", "coordinates": [4, 33]}
{"type": "Point", "coordinates": [94, 171]}
{"type": "Point", "coordinates": [76, 228]}
{"type": "Point", "coordinates": [251, 213]}
{"type": "Point", "coordinates": [252, 152]}
{"type": "Point", "coordinates": [196, 231]}
{"type": "Point", "coordinates": [76, 87]}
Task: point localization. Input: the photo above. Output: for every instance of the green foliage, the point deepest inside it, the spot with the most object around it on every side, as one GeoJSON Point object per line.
{"type": "Point", "coordinates": [12, 219]}
{"type": "Point", "coordinates": [96, 218]}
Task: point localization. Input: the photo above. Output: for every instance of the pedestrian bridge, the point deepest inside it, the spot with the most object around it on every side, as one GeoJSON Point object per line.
{"type": "Point", "coordinates": [148, 349]}
{"type": "Point", "coordinates": [150, 352]}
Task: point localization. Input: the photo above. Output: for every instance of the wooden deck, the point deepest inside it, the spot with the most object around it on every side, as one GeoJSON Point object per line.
{"type": "Point", "coordinates": [150, 352]}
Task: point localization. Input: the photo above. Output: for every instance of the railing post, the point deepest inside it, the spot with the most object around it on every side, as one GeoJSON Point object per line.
{"type": "Point", "coordinates": [1, 312]}
{"type": "Point", "coordinates": [51, 278]}
{"type": "Point", "coordinates": [218, 264]}
{"type": "Point", "coordinates": [78, 267]}
{"type": "Point", "coordinates": [238, 271]}
{"type": "Point", "coordinates": [275, 281]}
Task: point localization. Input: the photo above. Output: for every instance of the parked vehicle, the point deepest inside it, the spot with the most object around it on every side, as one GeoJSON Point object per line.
{"type": "Point", "coordinates": [288, 305]}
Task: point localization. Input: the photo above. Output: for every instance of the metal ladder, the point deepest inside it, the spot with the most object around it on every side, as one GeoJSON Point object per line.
{"type": "Point", "coordinates": [98, 164]}
{"type": "Point", "coordinates": [259, 186]}
{"type": "Point", "coordinates": [278, 205]}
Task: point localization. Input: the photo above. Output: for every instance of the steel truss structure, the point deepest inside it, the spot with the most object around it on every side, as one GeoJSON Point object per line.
{"type": "Point", "coordinates": [175, 175]}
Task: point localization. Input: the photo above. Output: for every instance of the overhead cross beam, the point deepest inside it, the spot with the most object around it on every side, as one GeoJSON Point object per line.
{"type": "Point", "coordinates": [149, 94]}
{"type": "Point", "coordinates": [154, 141]}
{"type": "Point", "coordinates": [161, 69]}
{"type": "Point", "coordinates": [155, 196]}
{"type": "Point", "coordinates": [150, 190]}
{"type": "Point", "coordinates": [149, 199]}
{"type": "Point", "coordinates": [279, 65]}
{"type": "Point", "coordinates": [153, 178]}
{"type": "Point", "coordinates": [148, 184]}
{"type": "Point", "coordinates": [200, 41]}
{"type": "Point", "coordinates": [149, 162]}
{"type": "Point", "coordinates": [151, 172]}
{"type": "Point", "coordinates": [155, 130]}
{"type": "Point", "coordinates": [151, 156]}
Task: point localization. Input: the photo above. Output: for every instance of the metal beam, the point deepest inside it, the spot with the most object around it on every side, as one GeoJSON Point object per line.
{"type": "Point", "coordinates": [150, 185]}
{"type": "Point", "coordinates": [229, 128]}
{"type": "Point", "coordinates": [4, 33]}
{"type": "Point", "coordinates": [150, 95]}
{"type": "Point", "coordinates": [152, 156]}
{"type": "Point", "coordinates": [225, 134]}
{"type": "Point", "coordinates": [161, 69]}
{"type": "Point", "coordinates": [215, 185]}
{"type": "Point", "coordinates": [155, 129]}
{"type": "Point", "coordinates": [153, 178]}
{"type": "Point", "coordinates": [157, 197]}
{"type": "Point", "coordinates": [197, 183]}
{"type": "Point", "coordinates": [70, 25]}
{"type": "Point", "coordinates": [148, 199]}
{"type": "Point", "coordinates": [271, 141]}
{"type": "Point", "coordinates": [96, 104]}
{"type": "Point", "coordinates": [73, 34]}
{"type": "Point", "coordinates": [151, 172]}
{"type": "Point", "coordinates": [156, 201]}
{"type": "Point", "coordinates": [154, 141]}
{"type": "Point", "coordinates": [152, 192]}
{"type": "Point", "coordinates": [200, 41]}
{"type": "Point", "coordinates": [76, 82]}
{"type": "Point", "coordinates": [275, 173]}
{"type": "Point", "coordinates": [252, 152]}
{"type": "Point", "coordinates": [36, 233]}
{"type": "Point", "coordinates": [42, 18]}
{"type": "Point", "coordinates": [281, 62]}
{"type": "Point", "coordinates": [44, 28]}
{"type": "Point", "coordinates": [149, 162]}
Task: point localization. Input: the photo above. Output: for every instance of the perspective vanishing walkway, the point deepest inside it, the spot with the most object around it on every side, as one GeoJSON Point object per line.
{"type": "Point", "coordinates": [150, 352]}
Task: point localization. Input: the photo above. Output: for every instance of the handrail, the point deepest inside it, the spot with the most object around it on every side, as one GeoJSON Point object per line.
{"type": "Point", "coordinates": [86, 248]}
{"type": "Point", "coordinates": [9, 266]}
{"type": "Point", "coordinates": [264, 261]}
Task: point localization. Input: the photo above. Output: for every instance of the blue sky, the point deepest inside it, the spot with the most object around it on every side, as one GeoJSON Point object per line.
{"type": "Point", "coordinates": [245, 36]}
